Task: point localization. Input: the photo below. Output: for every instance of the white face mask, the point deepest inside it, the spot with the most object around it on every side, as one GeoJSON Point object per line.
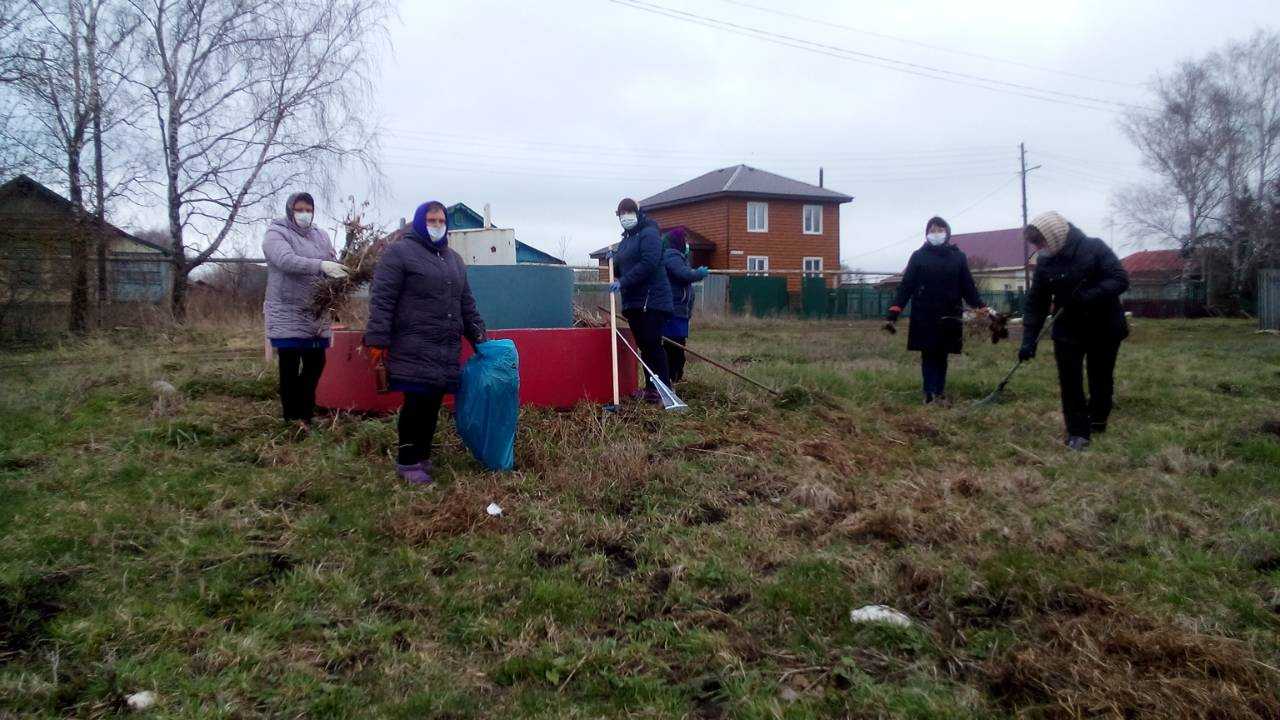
{"type": "Point", "coordinates": [628, 220]}
{"type": "Point", "coordinates": [303, 219]}
{"type": "Point", "coordinates": [436, 231]}
{"type": "Point", "coordinates": [936, 238]}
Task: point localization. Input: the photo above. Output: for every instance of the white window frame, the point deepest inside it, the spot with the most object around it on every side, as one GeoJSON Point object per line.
{"type": "Point", "coordinates": [804, 219]}
{"type": "Point", "coordinates": [764, 216]}
{"type": "Point", "coordinates": [811, 273]}
{"type": "Point", "coordinates": [758, 270]}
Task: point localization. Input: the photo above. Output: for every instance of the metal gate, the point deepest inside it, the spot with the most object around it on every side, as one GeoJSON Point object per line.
{"type": "Point", "coordinates": [1269, 299]}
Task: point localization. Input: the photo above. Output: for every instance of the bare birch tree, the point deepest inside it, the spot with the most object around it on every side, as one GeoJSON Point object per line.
{"type": "Point", "coordinates": [252, 98]}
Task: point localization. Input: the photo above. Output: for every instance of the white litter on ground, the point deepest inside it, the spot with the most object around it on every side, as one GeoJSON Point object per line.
{"type": "Point", "coordinates": [161, 387]}
{"type": "Point", "coordinates": [494, 510]}
{"type": "Point", "coordinates": [141, 701]}
{"type": "Point", "coordinates": [879, 613]}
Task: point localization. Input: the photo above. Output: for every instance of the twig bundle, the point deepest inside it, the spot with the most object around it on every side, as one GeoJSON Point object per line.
{"type": "Point", "coordinates": [363, 245]}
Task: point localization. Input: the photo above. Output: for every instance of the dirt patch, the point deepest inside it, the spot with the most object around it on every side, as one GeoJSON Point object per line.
{"type": "Point", "coordinates": [622, 558]}
{"type": "Point", "coordinates": [1270, 427]}
{"type": "Point", "coordinates": [707, 514]}
{"type": "Point", "coordinates": [461, 511]}
{"type": "Point", "coordinates": [887, 525]}
{"type": "Point", "coordinates": [28, 607]}
{"type": "Point", "coordinates": [1087, 656]}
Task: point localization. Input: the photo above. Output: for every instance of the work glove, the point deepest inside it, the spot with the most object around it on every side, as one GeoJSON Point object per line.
{"type": "Point", "coordinates": [377, 354]}
{"type": "Point", "coordinates": [703, 272]}
{"type": "Point", "coordinates": [1027, 352]}
{"type": "Point", "coordinates": [615, 286]}
{"type": "Point", "coordinates": [333, 269]}
{"type": "Point", "coordinates": [894, 312]}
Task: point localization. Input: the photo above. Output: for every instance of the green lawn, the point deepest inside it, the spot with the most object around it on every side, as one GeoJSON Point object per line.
{"type": "Point", "coordinates": [649, 564]}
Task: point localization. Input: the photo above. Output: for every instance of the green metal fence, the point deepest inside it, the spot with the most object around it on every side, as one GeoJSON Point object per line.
{"type": "Point", "coordinates": [760, 296]}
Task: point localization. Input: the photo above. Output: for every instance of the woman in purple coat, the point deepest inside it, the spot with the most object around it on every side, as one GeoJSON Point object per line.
{"type": "Point", "coordinates": [420, 308]}
{"type": "Point", "coordinates": [298, 255]}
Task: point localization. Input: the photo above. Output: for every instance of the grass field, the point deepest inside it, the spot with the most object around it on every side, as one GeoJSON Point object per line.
{"type": "Point", "coordinates": [649, 564]}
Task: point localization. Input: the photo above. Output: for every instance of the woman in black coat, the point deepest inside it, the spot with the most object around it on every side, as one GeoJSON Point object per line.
{"type": "Point", "coordinates": [420, 308]}
{"type": "Point", "coordinates": [1084, 278]}
{"type": "Point", "coordinates": [936, 282]}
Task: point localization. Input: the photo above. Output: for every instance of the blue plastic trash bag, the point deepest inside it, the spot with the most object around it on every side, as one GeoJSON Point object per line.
{"type": "Point", "coordinates": [488, 404]}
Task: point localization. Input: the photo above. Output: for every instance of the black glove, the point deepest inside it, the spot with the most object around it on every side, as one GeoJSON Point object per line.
{"type": "Point", "coordinates": [1027, 352]}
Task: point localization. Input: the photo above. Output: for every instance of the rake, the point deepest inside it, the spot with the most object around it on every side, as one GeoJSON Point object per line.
{"type": "Point", "coordinates": [994, 397]}
{"type": "Point", "coordinates": [670, 401]}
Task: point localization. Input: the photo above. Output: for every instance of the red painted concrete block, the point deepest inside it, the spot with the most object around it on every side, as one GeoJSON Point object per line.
{"type": "Point", "coordinates": [559, 367]}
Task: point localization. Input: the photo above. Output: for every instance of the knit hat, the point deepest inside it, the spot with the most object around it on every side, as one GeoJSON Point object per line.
{"type": "Point", "coordinates": [1054, 228]}
{"type": "Point", "coordinates": [628, 206]}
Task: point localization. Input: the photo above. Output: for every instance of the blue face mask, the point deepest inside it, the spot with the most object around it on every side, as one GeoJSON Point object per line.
{"type": "Point", "coordinates": [435, 232]}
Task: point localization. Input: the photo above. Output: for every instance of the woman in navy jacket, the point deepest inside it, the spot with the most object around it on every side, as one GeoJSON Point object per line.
{"type": "Point", "coordinates": [645, 290]}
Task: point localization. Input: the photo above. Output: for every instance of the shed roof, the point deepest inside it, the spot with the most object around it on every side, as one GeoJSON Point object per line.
{"type": "Point", "coordinates": [1151, 262]}
{"type": "Point", "coordinates": [741, 181]}
{"type": "Point", "coordinates": [23, 184]}
{"type": "Point", "coordinates": [992, 248]}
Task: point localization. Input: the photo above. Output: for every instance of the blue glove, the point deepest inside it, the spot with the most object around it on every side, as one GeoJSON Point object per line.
{"type": "Point", "coordinates": [615, 286]}
{"type": "Point", "coordinates": [703, 272]}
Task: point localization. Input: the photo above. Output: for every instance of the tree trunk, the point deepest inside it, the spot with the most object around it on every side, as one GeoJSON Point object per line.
{"type": "Point", "coordinates": [99, 176]}
{"type": "Point", "coordinates": [180, 268]}
{"type": "Point", "coordinates": [80, 238]}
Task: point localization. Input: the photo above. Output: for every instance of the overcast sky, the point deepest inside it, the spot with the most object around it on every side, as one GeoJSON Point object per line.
{"type": "Point", "coordinates": [552, 111]}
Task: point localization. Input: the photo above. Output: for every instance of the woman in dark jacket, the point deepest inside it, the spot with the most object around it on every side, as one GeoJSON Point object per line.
{"type": "Point", "coordinates": [675, 258]}
{"type": "Point", "coordinates": [646, 292]}
{"type": "Point", "coordinates": [420, 308]}
{"type": "Point", "coordinates": [1082, 277]}
{"type": "Point", "coordinates": [936, 282]}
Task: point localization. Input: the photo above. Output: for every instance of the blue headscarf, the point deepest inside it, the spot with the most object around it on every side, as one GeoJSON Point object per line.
{"type": "Point", "coordinates": [420, 223]}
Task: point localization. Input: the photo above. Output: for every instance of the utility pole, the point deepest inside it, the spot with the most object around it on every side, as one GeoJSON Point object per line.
{"type": "Point", "coordinates": [1026, 250]}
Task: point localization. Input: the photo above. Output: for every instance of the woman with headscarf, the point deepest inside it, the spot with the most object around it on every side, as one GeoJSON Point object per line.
{"type": "Point", "coordinates": [936, 283]}
{"type": "Point", "coordinates": [646, 292]}
{"type": "Point", "coordinates": [298, 255]}
{"type": "Point", "coordinates": [1084, 279]}
{"type": "Point", "coordinates": [675, 258]}
{"type": "Point", "coordinates": [420, 308]}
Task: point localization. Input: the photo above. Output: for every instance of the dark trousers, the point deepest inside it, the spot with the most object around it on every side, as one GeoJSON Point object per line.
{"type": "Point", "coordinates": [933, 370]}
{"type": "Point", "coordinates": [1083, 415]}
{"type": "Point", "coordinates": [417, 426]}
{"type": "Point", "coordinates": [646, 326]}
{"type": "Point", "coordinates": [675, 358]}
{"type": "Point", "coordinates": [300, 372]}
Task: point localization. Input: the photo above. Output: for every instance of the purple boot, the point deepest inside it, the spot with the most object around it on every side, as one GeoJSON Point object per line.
{"type": "Point", "coordinates": [416, 474]}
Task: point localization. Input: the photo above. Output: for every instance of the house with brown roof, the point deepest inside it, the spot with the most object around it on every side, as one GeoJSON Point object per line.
{"type": "Point", "coordinates": [750, 220]}
{"type": "Point", "coordinates": [1163, 283]}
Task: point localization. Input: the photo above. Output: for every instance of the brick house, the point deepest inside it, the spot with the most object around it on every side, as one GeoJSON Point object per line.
{"type": "Point", "coordinates": [745, 219]}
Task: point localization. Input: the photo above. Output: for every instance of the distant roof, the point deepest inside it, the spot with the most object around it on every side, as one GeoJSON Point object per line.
{"type": "Point", "coordinates": [1155, 261]}
{"type": "Point", "coordinates": [23, 183]}
{"type": "Point", "coordinates": [741, 181]}
{"type": "Point", "coordinates": [992, 248]}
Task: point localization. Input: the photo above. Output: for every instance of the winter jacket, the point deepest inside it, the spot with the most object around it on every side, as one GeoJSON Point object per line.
{"type": "Point", "coordinates": [936, 281]}
{"type": "Point", "coordinates": [682, 277]}
{"type": "Point", "coordinates": [1085, 279]}
{"type": "Point", "coordinates": [640, 271]}
{"type": "Point", "coordinates": [293, 269]}
{"type": "Point", "coordinates": [420, 307]}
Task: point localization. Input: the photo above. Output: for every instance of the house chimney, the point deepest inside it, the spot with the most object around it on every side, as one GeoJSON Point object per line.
{"type": "Point", "coordinates": [820, 178]}
{"type": "Point", "coordinates": [487, 223]}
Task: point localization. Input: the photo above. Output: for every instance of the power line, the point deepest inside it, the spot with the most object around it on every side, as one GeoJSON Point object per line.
{"type": "Point", "coordinates": [930, 46]}
{"type": "Point", "coordinates": [454, 138]}
{"type": "Point", "coordinates": [959, 78]}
